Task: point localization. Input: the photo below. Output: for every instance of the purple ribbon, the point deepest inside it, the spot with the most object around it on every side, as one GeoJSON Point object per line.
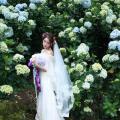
{"type": "Point", "coordinates": [37, 77]}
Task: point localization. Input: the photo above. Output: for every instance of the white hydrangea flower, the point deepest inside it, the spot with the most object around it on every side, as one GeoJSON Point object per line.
{"type": "Point", "coordinates": [81, 20]}
{"type": "Point", "coordinates": [66, 60]}
{"type": "Point", "coordinates": [22, 19]}
{"type": "Point", "coordinates": [76, 30]}
{"type": "Point", "coordinates": [22, 69]}
{"type": "Point", "coordinates": [89, 78]}
{"type": "Point", "coordinates": [78, 1]}
{"type": "Point", "coordinates": [72, 64]}
{"type": "Point", "coordinates": [88, 13]}
{"type": "Point", "coordinates": [105, 57]}
{"type": "Point", "coordinates": [32, 6]}
{"type": "Point", "coordinates": [114, 17]}
{"type": "Point", "coordinates": [113, 58]}
{"type": "Point", "coordinates": [83, 30]}
{"type": "Point", "coordinates": [20, 6]}
{"type": "Point", "coordinates": [110, 12]}
{"type": "Point", "coordinates": [13, 15]}
{"type": "Point", "coordinates": [86, 3]}
{"type": "Point", "coordinates": [113, 45]}
{"type": "Point", "coordinates": [4, 2]}
{"type": "Point", "coordinates": [21, 48]}
{"type": "Point", "coordinates": [7, 14]}
{"type": "Point", "coordinates": [67, 30]}
{"type": "Point", "coordinates": [76, 90]}
{"type": "Point", "coordinates": [9, 32]}
{"type": "Point", "coordinates": [109, 19]}
{"type": "Point", "coordinates": [103, 13]}
{"type": "Point", "coordinates": [114, 34]}
{"type": "Point", "coordinates": [104, 7]}
{"type": "Point", "coordinates": [86, 85]}
{"type": "Point", "coordinates": [82, 49]}
{"type": "Point", "coordinates": [103, 73]}
{"type": "Point", "coordinates": [59, 5]}
{"type": "Point", "coordinates": [3, 47]}
{"type": "Point", "coordinates": [88, 24]}
{"type": "Point", "coordinates": [72, 20]}
{"type": "Point", "coordinates": [38, 1]}
{"type": "Point", "coordinates": [23, 13]}
{"type": "Point", "coordinates": [118, 21]}
{"type": "Point", "coordinates": [18, 57]}
{"type": "Point", "coordinates": [96, 67]}
{"type": "Point", "coordinates": [7, 89]}
{"type": "Point", "coordinates": [117, 2]}
{"type": "Point", "coordinates": [79, 67]}
{"type": "Point", "coordinates": [3, 28]}
{"type": "Point", "coordinates": [84, 63]}
{"type": "Point", "coordinates": [71, 34]}
{"type": "Point", "coordinates": [61, 34]}
{"type": "Point", "coordinates": [87, 109]}
{"type": "Point", "coordinates": [11, 7]}
{"type": "Point", "coordinates": [32, 22]}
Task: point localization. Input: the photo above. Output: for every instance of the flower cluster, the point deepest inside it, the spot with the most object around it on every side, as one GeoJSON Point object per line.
{"type": "Point", "coordinates": [110, 58]}
{"type": "Point", "coordinates": [96, 67]}
{"type": "Point", "coordinates": [115, 34]}
{"type": "Point", "coordinates": [21, 48]}
{"type": "Point", "coordinates": [37, 1]}
{"type": "Point", "coordinates": [101, 72]}
{"type": "Point", "coordinates": [83, 29]}
{"type": "Point", "coordinates": [32, 6]}
{"type": "Point", "coordinates": [18, 57]}
{"type": "Point", "coordinates": [32, 23]}
{"type": "Point", "coordinates": [88, 80]}
{"type": "Point", "coordinates": [84, 3]}
{"type": "Point", "coordinates": [5, 31]}
{"type": "Point", "coordinates": [108, 13]}
{"type": "Point", "coordinates": [82, 49]}
{"type": "Point", "coordinates": [19, 6]}
{"type": "Point", "coordinates": [68, 32]}
{"type": "Point", "coordinates": [76, 89]}
{"type": "Point", "coordinates": [114, 45]}
{"type": "Point", "coordinates": [6, 89]}
{"type": "Point", "coordinates": [3, 47]}
{"type": "Point", "coordinates": [22, 69]}
{"type": "Point", "coordinates": [4, 2]}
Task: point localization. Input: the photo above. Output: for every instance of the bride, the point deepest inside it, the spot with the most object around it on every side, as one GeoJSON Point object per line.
{"type": "Point", "coordinates": [54, 96]}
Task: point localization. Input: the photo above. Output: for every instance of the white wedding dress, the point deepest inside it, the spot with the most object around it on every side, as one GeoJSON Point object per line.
{"type": "Point", "coordinates": [46, 100]}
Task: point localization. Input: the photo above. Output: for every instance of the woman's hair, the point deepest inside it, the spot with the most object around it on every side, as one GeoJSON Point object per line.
{"type": "Point", "coordinates": [50, 36]}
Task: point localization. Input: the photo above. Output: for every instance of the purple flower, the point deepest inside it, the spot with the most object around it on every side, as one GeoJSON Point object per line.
{"type": "Point", "coordinates": [41, 62]}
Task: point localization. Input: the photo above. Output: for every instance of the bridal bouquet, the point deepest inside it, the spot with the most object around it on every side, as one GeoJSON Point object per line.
{"type": "Point", "coordinates": [39, 59]}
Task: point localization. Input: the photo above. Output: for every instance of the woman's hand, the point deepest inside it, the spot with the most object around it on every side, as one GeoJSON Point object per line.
{"type": "Point", "coordinates": [33, 60]}
{"type": "Point", "coordinates": [41, 68]}
{"type": "Point", "coordinates": [38, 66]}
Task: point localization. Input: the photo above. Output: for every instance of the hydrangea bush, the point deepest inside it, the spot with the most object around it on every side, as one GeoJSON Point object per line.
{"type": "Point", "coordinates": [88, 33]}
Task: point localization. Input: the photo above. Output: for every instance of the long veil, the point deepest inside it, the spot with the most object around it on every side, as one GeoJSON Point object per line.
{"type": "Point", "coordinates": [64, 93]}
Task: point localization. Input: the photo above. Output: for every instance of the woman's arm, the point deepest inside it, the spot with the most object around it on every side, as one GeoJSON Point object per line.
{"type": "Point", "coordinates": [39, 67]}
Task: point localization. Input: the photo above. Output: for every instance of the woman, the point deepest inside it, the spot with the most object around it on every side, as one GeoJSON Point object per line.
{"type": "Point", "coordinates": [55, 98]}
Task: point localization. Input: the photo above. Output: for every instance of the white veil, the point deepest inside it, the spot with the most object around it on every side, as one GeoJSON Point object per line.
{"type": "Point", "coordinates": [63, 84]}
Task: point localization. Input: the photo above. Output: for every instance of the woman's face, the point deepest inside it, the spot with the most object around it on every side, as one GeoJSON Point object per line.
{"type": "Point", "coordinates": [46, 43]}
